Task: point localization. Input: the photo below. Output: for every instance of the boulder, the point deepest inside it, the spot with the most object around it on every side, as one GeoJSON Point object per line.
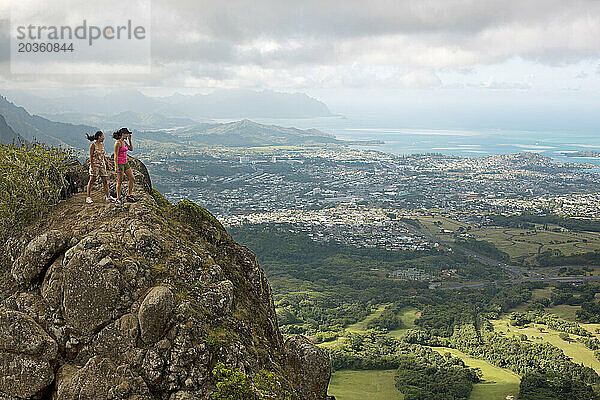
{"type": "Point", "coordinates": [38, 255]}
{"type": "Point", "coordinates": [117, 341]}
{"type": "Point", "coordinates": [91, 292]}
{"type": "Point", "coordinates": [307, 367]}
{"type": "Point", "coordinates": [100, 379]}
{"type": "Point", "coordinates": [26, 355]}
{"type": "Point", "coordinates": [154, 313]}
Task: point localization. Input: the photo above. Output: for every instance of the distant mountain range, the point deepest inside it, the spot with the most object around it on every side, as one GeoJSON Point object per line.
{"type": "Point", "coordinates": [130, 119]}
{"type": "Point", "coordinates": [248, 104]}
{"type": "Point", "coordinates": [583, 153]}
{"type": "Point", "coordinates": [7, 135]}
{"type": "Point", "coordinates": [16, 120]}
{"type": "Point", "coordinates": [32, 127]}
{"type": "Point", "coordinates": [242, 133]}
{"type": "Point", "coordinates": [219, 104]}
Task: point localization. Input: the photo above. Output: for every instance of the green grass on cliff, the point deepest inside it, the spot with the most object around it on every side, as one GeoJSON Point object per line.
{"type": "Point", "coordinates": [31, 179]}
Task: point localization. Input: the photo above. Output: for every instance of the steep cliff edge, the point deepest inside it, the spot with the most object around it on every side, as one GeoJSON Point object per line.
{"type": "Point", "coordinates": [143, 300]}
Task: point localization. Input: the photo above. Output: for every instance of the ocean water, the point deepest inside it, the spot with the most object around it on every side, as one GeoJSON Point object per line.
{"type": "Point", "coordinates": [463, 142]}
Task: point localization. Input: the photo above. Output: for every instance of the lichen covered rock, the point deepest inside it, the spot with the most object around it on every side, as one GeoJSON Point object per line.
{"type": "Point", "coordinates": [27, 353]}
{"type": "Point", "coordinates": [38, 255]}
{"type": "Point", "coordinates": [100, 379]}
{"type": "Point", "coordinates": [91, 290]}
{"type": "Point", "coordinates": [308, 366]}
{"type": "Point", "coordinates": [155, 312]}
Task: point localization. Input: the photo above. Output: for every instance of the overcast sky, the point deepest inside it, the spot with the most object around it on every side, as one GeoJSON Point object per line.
{"type": "Point", "coordinates": [349, 52]}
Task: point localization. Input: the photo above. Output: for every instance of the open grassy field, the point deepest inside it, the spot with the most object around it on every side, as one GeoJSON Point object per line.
{"type": "Point", "coordinates": [576, 350]}
{"type": "Point", "coordinates": [564, 311]}
{"type": "Point", "coordinates": [434, 223]}
{"type": "Point", "coordinates": [592, 328]}
{"type": "Point", "coordinates": [407, 316]}
{"type": "Point", "coordinates": [529, 243]}
{"type": "Point", "coordinates": [379, 385]}
{"type": "Point", "coordinates": [517, 243]}
{"type": "Point", "coordinates": [497, 382]}
{"type": "Point", "coordinates": [362, 325]}
{"type": "Point", "coordinates": [363, 385]}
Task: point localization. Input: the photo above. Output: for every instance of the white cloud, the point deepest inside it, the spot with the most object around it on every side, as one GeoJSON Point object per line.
{"type": "Point", "coordinates": [289, 44]}
{"type": "Point", "coordinates": [421, 79]}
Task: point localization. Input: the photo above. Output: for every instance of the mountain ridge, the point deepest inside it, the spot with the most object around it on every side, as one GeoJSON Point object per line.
{"type": "Point", "coordinates": [249, 133]}
{"type": "Point", "coordinates": [145, 300]}
{"type": "Point", "coordinates": [133, 120]}
{"type": "Point", "coordinates": [219, 104]}
{"type": "Point", "coordinates": [7, 134]}
{"type": "Point", "coordinates": [32, 127]}
{"type": "Point", "coordinates": [237, 133]}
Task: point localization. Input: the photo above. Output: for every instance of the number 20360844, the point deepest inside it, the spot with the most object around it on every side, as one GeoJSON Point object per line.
{"type": "Point", "coordinates": [45, 47]}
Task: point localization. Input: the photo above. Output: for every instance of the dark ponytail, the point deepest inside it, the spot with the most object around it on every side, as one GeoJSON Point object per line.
{"type": "Point", "coordinates": [93, 137]}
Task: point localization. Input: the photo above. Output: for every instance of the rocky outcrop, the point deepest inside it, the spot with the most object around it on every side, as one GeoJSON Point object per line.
{"type": "Point", "coordinates": [308, 367]}
{"type": "Point", "coordinates": [38, 255]}
{"type": "Point", "coordinates": [154, 313]}
{"type": "Point", "coordinates": [142, 301]}
{"type": "Point", "coordinates": [91, 288]}
{"type": "Point", "coordinates": [100, 378]}
{"type": "Point", "coordinates": [27, 355]}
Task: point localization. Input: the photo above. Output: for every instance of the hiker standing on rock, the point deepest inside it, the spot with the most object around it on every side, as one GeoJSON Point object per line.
{"type": "Point", "coordinates": [122, 167]}
{"type": "Point", "coordinates": [98, 162]}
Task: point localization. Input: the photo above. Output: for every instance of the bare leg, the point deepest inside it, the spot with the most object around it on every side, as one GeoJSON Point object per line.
{"type": "Point", "coordinates": [105, 184]}
{"type": "Point", "coordinates": [130, 177]}
{"type": "Point", "coordinates": [89, 185]}
{"type": "Point", "coordinates": [119, 180]}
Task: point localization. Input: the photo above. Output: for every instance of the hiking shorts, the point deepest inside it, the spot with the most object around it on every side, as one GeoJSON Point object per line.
{"type": "Point", "coordinates": [124, 167]}
{"type": "Point", "coordinates": [98, 171]}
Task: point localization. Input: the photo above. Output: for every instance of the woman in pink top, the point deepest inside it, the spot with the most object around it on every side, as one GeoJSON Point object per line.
{"type": "Point", "coordinates": [122, 146]}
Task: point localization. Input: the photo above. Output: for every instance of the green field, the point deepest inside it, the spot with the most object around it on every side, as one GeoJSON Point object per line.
{"type": "Point", "coordinates": [536, 294]}
{"type": "Point", "coordinates": [407, 316]}
{"type": "Point", "coordinates": [564, 311]}
{"type": "Point", "coordinates": [517, 243]}
{"type": "Point", "coordinates": [379, 385]}
{"type": "Point", "coordinates": [363, 385]}
{"type": "Point", "coordinates": [574, 349]}
{"type": "Point", "coordinates": [497, 382]}
{"type": "Point", "coordinates": [362, 325]}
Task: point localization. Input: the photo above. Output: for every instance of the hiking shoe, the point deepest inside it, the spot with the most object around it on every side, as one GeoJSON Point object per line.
{"type": "Point", "coordinates": [119, 201]}
{"type": "Point", "coordinates": [109, 199]}
{"type": "Point", "coordinates": [131, 199]}
{"type": "Point", "coordinates": [89, 200]}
